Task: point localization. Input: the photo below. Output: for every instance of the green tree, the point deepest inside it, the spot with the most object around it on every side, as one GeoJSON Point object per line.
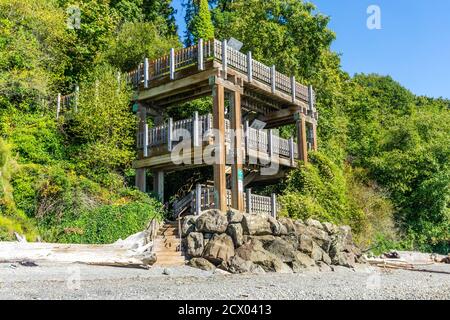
{"type": "Point", "coordinates": [136, 41]}
{"type": "Point", "coordinates": [198, 20]}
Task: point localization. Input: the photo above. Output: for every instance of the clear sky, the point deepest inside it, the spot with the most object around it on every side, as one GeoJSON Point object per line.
{"type": "Point", "coordinates": [413, 45]}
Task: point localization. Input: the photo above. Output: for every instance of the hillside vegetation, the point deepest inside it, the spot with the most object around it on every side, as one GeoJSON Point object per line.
{"type": "Point", "coordinates": [383, 162]}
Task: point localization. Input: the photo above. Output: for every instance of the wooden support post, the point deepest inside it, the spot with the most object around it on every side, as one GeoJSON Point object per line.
{"type": "Point", "coordinates": [291, 151]}
{"type": "Point", "coordinates": [249, 66]}
{"type": "Point", "coordinates": [200, 62]}
{"type": "Point", "coordinates": [224, 58]}
{"type": "Point", "coordinates": [237, 173]}
{"type": "Point", "coordinates": [158, 184]}
{"type": "Point", "coordinates": [273, 205]}
{"type": "Point", "coordinates": [172, 64]}
{"type": "Point", "coordinates": [58, 105]}
{"type": "Point", "coordinates": [195, 130]}
{"type": "Point", "coordinates": [301, 139]}
{"type": "Point", "coordinates": [314, 135]}
{"type": "Point", "coordinates": [247, 140]}
{"type": "Point", "coordinates": [198, 199]}
{"type": "Point", "coordinates": [146, 73]}
{"type": "Point", "coordinates": [220, 192]}
{"type": "Point", "coordinates": [272, 78]}
{"type": "Point", "coordinates": [140, 180]}
{"type": "Point", "coordinates": [169, 134]}
{"type": "Point", "coordinates": [293, 88]}
{"type": "Point", "coordinates": [248, 203]}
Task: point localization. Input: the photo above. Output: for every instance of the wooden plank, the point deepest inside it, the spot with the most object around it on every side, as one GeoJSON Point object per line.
{"type": "Point", "coordinates": [219, 166]}
{"type": "Point", "coordinates": [237, 174]}
{"type": "Point", "coordinates": [301, 139]}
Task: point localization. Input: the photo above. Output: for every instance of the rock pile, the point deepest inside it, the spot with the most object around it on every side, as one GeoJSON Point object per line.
{"type": "Point", "coordinates": [241, 243]}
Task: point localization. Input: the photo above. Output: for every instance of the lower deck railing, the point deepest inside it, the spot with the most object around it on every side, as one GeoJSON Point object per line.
{"type": "Point", "coordinates": [204, 198]}
{"type": "Point", "coordinates": [199, 129]}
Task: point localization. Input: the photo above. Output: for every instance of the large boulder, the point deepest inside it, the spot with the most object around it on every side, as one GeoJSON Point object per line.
{"type": "Point", "coordinates": [320, 237]}
{"type": "Point", "coordinates": [239, 265]}
{"type": "Point", "coordinates": [256, 224]}
{"type": "Point", "coordinates": [212, 221]}
{"type": "Point", "coordinates": [234, 216]}
{"type": "Point", "coordinates": [305, 244]}
{"type": "Point", "coordinates": [201, 263]}
{"type": "Point", "coordinates": [302, 262]}
{"type": "Point", "coordinates": [288, 224]}
{"type": "Point", "coordinates": [314, 223]}
{"type": "Point", "coordinates": [345, 259]}
{"type": "Point", "coordinates": [300, 227]}
{"type": "Point", "coordinates": [317, 253]}
{"type": "Point", "coordinates": [188, 225]}
{"type": "Point", "coordinates": [219, 249]}
{"type": "Point", "coordinates": [329, 228]}
{"type": "Point", "coordinates": [265, 240]}
{"type": "Point", "coordinates": [194, 244]}
{"type": "Point", "coordinates": [282, 249]}
{"type": "Point", "coordinates": [235, 231]}
{"type": "Point", "coordinates": [278, 229]}
{"type": "Point", "coordinates": [254, 251]}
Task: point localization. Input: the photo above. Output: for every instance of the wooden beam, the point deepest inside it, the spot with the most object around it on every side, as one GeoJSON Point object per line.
{"type": "Point", "coordinates": [219, 166]}
{"type": "Point", "coordinates": [314, 133]}
{"type": "Point", "coordinates": [158, 184]}
{"type": "Point", "coordinates": [301, 139]}
{"type": "Point", "coordinates": [237, 173]}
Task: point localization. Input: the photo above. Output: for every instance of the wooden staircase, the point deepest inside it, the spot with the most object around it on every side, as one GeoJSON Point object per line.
{"type": "Point", "coordinates": [168, 246]}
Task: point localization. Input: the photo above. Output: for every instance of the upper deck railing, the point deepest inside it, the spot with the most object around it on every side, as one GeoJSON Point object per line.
{"type": "Point", "coordinates": [230, 58]}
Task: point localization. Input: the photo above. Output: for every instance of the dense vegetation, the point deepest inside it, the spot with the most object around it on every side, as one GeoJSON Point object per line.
{"type": "Point", "coordinates": [383, 165]}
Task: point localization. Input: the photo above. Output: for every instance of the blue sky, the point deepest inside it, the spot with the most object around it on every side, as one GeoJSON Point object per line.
{"type": "Point", "coordinates": [413, 45]}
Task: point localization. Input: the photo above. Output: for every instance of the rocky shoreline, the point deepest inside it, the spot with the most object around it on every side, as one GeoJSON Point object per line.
{"type": "Point", "coordinates": [253, 243]}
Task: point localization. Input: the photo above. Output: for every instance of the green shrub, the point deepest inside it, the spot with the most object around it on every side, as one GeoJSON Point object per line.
{"type": "Point", "coordinates": [107, 224]}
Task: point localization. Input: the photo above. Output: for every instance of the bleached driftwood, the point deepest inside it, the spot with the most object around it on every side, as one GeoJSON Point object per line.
{"type": "Point", "coordinates": [112, 254]}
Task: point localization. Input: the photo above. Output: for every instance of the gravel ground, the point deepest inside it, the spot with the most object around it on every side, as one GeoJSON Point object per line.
{"type": "Point", "coordinates": [76, 281]}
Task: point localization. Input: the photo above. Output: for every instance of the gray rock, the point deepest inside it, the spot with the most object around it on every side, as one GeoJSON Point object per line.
{"type": "Point", "coordinates": [326, 258]}
{"type": "Point", "coordinates": [277, 227]}
{"type": "Point", "coordinates": [302, 262]}
{"type": "Point", "coordinates": [234, 216]}
{"type": "Point", "coordinates": [212, 221]}
{"type": "Point", "coordinates": [239, 265]}
{"type": "Point", "coordinates": [256, 224]}
{"type": "Point", "coordinates": [345, 259]}
{"type": "Point", "coordinates": [166, 272]}
{"type": "Point", "coordinates": [314, 223]}
{"type": "Point", "coordinates": [317, 253]}
{"type": "Point", "coordinates": [265, 240]}
{"type": "Point", "coordinates": [219, 249]}
{"type": "Point", "coordinates": [300, 228]}
{"type": "Point", "coordinates": [320, 237]}
{"type": "Point", "coordinates": [329, 228]}
{"type": "Point", "coordinates": [194, 244]}
{"type": "Point", "coordinates": [236, 232]}
{"type": "Point", "coordinates": [292, 239]}
{"type": "Point", "coordinates": [305, 244]}
{"type": "Point", "coordinates": [188, 225]}
{"type": "Point", "coordinates": [254, 251]}
{"type": "Point", "coordinates": [323, 267]}
{"type": "Point", "coordinates": [282, 249]}
{"type": "Point", "coordinates": [201, 263]}
{"type": "Point", "coordinates": [288, 224]}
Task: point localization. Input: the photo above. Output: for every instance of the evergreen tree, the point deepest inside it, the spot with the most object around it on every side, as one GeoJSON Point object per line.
{"type": "Point", "coordinates": [198, 21]}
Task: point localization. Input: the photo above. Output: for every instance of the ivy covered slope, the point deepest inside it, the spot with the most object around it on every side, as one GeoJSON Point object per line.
{"type": "Point", "coordinates": [70, 180]}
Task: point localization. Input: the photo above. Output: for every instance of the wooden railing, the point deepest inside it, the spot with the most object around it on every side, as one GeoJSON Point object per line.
{"type": "Point", "coordinates": [202, 198]}
{"type": "Point", "coordinates": [214, 49]}
{"type": "Point", "coordinates": [196, 128]}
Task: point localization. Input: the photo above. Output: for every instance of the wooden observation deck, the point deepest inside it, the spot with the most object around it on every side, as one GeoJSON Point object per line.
{"type": "Point", "coordinates": [245, 94]}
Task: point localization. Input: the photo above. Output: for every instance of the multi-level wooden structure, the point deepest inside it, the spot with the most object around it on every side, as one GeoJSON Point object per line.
{"type": "Point", "coordinates": [243, 90]}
